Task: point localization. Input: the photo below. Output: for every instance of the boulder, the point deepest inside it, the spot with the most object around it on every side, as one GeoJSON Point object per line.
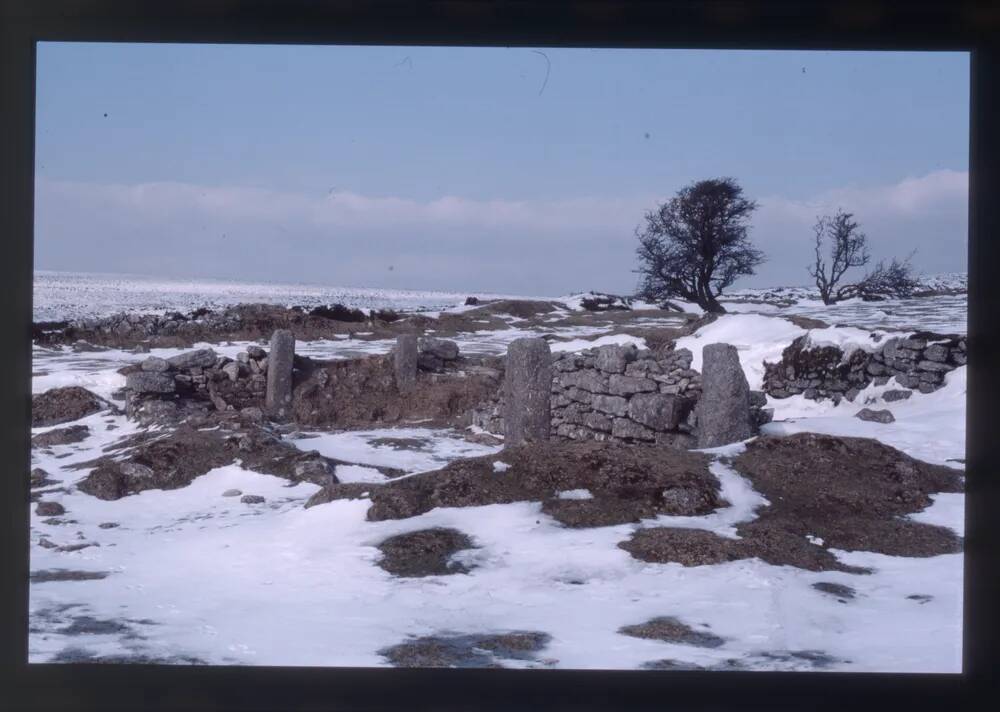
{"type": "Point", "coordinates": [190, 359]}
{"type": "Point", "coordinates": [150, 382]}
{"type": "Point", "coordinates": [875, 416]}
{"type": "Point", "coordinates": [527, 391]}
{"type": "Point", "coordinates": [614, 357]}
{"type": "Point", "coordinates": [252, 499]}
{"type": "Point", "coordinates": [724, 407]}
{"type": "Point", "coordinates": [658, 411]}
{"type": "Point", "coordinates": [896, 394]}
{"type": "Point", "coordinates": [155, 364]}
{"type": "Point", "coordinates": [232, 369]}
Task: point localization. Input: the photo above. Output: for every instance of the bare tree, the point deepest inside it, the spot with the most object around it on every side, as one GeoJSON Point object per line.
{"type": "Point", "coordinates": [847, 248]}
{"type": "Point", "coordinates": [695, 245]}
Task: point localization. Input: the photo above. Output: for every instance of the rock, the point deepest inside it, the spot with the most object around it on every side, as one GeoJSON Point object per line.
{"type": "Point", "coordinates": [586, 380]}
{"type": "Point", "coordinates": [628, 430]}
{"type": "Point", "coordinates": [658, 411]}
{"type": "Point", "coordinates": [199, 358]}
{"type": "Point", "coordinates": [278, 400]}
{"type": "Point", "coordinates": [155, 364]}
{"type": "Point", "coordinates": [232, 369]}
{"type": "Point", "coordinates": [614, 357]}
{"type": "Point", "coordinates": [62, 405]}
{"type": "Point", "coordinates": [60, 436]}
{"type": "Point", "coordinates": [875, 416]}
{"type": "Point", "coordinates": [49, 509]}
{"type": "Point", "coordinates": [232, 493]}
{"type": "Point", "coordinates": [471, 301]}
{"type": "Point", "coordinates": [405, 361]}
{"type": "Point", "coordinates": [108, 525]}
{"type": "Point", "coordinates": [933, 366]}
{"type": "Point", "coordinates": [896, 394]}
{"type": "Point", "coordinates": [150, 382]}
{"type": "Point", "coordinates": [936, 352]}
{"type": "Point", "coordinates": [527, 391]}
{"type": "Point", "coordinates": [911, 344]}
{"type": "Point", "coordinates": [724, 407]}
{"type": "Point", "coordinates": [627, 385]}
{"type": "Point", "coordinates": [441, 348]}
{"type": "Point", "coordinates": [253, 498]}
{"type": "Point", "coordinates": [613, 405]}
{"type": "Point", "coordinates": [758, 399]}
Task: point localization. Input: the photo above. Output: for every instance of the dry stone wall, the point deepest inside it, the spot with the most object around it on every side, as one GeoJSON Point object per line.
{"type": "Point", "coordinates": [158, 386]}
{"type": "Point", "coordinates": [618, 393]}
{"type": "Point", "coordinates": [918, 361]}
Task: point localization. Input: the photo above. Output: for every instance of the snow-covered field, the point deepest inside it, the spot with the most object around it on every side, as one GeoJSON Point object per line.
{"type": "Point", "coordinates": [74, 295]}
{"type": "Point", "coordinates": [191, 575]}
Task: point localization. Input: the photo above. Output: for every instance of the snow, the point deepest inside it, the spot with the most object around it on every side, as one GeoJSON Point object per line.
{"type": "Point", "coordinates": [583, 344]}
{"type": "Point", "coordinates": [277, 584]}
{"type": "Point", "coordinates": [757, 338]}
{"type": "Point", "coordinates": [575, 494]}
{"type": "Point", "coordinates": [929, 427]}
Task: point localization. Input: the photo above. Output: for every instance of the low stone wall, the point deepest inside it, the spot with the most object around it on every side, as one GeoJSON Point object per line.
{"type": "Point", "coordinates": [918, 361]}
{"type": "Point", "coordinates": [157, 386]}
{"type": "Point", "coordinates": [618, 393]}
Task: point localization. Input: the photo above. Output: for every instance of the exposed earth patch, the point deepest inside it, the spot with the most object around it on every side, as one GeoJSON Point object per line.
{"type": "Point", "coordinates": [467, 651]}
{"type": "Point", "coordinates": [628, 482]}
{"type": "Point", "coordinates": [424, 553]}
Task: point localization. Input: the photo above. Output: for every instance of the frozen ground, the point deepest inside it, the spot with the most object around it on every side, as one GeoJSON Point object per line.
{"type": "Point", "coordinates": [191, 576]}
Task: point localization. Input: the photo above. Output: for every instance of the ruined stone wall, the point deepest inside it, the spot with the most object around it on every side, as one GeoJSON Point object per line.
{"type": "Point", "coordinates": [159, 385]}
{"type": "Point", "coordinates": [918, 361]}
{"type": "Point", "coordinates": [618, 393]}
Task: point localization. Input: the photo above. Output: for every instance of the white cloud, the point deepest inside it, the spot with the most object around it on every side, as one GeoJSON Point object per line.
{"type": "Point", "coordinates": [535, 246]}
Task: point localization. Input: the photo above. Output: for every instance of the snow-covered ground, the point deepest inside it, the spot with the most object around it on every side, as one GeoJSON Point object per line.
{"type": "Point", "coordinates": [193, 574]}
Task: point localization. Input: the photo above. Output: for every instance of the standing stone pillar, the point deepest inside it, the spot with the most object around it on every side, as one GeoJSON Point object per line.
{"type": "Point", "coordinates": [527, 391]}
{"type": "Point", "coordinates": [723, 411]}
{"type": "Point", "coordinates": [405, 361]}
{"type": "Point", "coordinates": [278, 401]}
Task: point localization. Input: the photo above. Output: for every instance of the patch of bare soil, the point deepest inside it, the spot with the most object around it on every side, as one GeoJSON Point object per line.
{"type": "Point", "coordinates": [628, 482]}
{"type": "Point", "coordinates": [60, 436]}
{"type": "Point", "coordinates": [671, 630]}
{"type": "Point", "coordinates": [62, 405]}
{"type": "Point", "coordinates": [362, 393]}
{"type": "Point", "coordinates": [851, 493]}
{"type": "Point", "coordinates": [467, 651]}
{"type": "Point", "coordinates": [170, 460]}
{"type": "Point", "coordinates": [424, 553]}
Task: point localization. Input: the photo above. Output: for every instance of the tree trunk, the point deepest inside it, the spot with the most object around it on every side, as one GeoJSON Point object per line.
{"type": "Point", "coordinates": [711, 305]}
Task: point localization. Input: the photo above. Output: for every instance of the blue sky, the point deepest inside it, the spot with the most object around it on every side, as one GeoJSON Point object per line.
{"type": "Point", "coordinates": [465, 168]}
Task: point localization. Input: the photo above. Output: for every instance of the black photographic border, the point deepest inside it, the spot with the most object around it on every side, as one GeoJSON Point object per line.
{"type": "Point", "coordinates": [732, 24]}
